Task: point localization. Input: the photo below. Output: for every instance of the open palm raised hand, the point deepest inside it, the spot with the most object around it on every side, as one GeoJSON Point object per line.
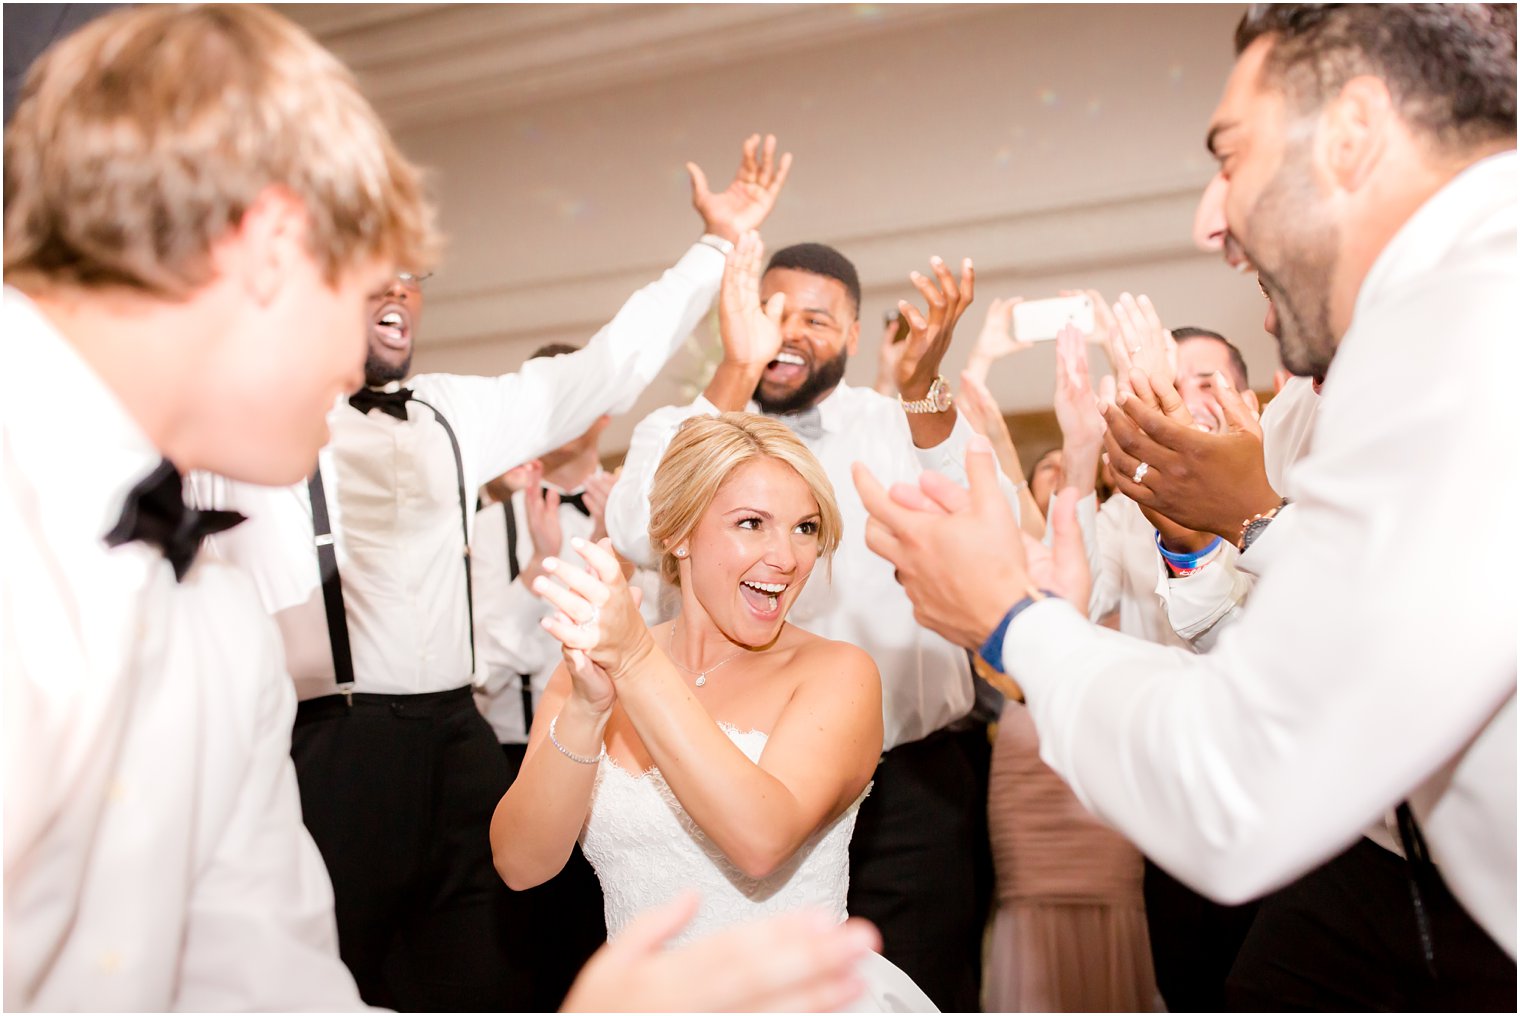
{"type": "Point", "coordinates": [746, 201]}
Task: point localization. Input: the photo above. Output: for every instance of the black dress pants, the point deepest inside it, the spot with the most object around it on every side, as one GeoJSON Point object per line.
{"type": "Point", "coordinates": [920, 864]}
{"type": "Point", "coordinates": [398, 792]}
{"type": "Point", "coordinates": [1345, 937]}
{"type": "Point", "coordinates": [567, 913]}
{"type": "Point", "coordinates": [1194, 942]}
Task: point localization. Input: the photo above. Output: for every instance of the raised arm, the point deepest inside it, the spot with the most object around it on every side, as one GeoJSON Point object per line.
{"type": "Point", "coordinates": [928, 340]}
{"type": "Point", "coordinates": [751, 333]}
{"type": "Point", "coordinates": [551, 400]}
{"type": "Point", "coordinates": [817, 760]}
{"type": "Point", "coordinates": [996, 339]}
{"type": "Point", "coordinates": [984, 416]}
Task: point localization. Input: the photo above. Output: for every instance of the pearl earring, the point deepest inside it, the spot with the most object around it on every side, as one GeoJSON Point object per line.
{"type": "Point", "coordinates": [680, 552]}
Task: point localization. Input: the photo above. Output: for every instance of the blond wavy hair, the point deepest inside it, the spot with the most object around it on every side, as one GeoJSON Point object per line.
{"type": "Point", "coordinates": [143, 138]}
{"type": "Point", "coordinates": [703, 454]}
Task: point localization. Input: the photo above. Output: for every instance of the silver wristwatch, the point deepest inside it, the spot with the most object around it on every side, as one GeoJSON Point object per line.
{"type": "Point", "coordinates": [938, 400]}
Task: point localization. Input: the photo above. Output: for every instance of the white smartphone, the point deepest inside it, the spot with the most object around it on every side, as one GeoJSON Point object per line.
{"type": "Point", "coordinates": [1040, 320]}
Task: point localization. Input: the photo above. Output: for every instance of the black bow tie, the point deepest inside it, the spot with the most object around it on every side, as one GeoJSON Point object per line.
{"type": "Point", "coordinates": [393, 403]}
{"type": "Point", "coordinates": [155, 512]}
{"type": "Point", "coordinates": [576, 501]}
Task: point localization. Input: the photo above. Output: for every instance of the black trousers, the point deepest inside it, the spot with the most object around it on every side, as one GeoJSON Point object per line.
{"type": "Point", "coordinates": [920, 864]}
{"type": "Point", "coordinates": [1194, 942]}
{"type": "Point", "coordinates": [398, 792]}
{"type": "Point", "coordinates": [1345, 937]}
{"type": "Point", "coordinates": [567, 914]}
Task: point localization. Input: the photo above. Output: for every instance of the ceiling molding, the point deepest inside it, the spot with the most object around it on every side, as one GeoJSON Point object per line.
{"type": "Point", "coordinates": [1070, 239]}
{"type": "Point", "coordinates": [431, 64]}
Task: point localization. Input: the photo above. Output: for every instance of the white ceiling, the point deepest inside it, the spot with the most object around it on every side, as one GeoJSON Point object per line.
{"type": "Point", "coordinates": [425, 64]}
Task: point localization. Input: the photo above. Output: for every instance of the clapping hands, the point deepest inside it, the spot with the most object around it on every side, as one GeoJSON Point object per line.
{"type": "Point", "coordinates": [597, 620]}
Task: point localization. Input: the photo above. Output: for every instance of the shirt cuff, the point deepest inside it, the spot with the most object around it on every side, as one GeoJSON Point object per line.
{"type": "Point", "coordinates": [1039, 639]}
{"type": "Point", "coordinates": [702, 259]}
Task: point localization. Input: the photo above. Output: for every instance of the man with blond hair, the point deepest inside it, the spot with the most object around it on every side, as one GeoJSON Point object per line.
{"type": "Point", "coordinates": [185, 291]}
{"type": "Point", "coordinates": [185, 287]}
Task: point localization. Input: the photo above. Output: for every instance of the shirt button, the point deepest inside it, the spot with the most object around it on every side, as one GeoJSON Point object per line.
{"type": "Point", "coordinates": [110, 962]}
{"type": "Point", "coordinates": [118, 792]}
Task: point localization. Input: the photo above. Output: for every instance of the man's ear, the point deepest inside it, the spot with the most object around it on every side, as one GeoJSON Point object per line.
{"type": "Point", "coordinates": [267, 245]}
{"type": "Point", "coordinates": [853, 341]}
{"type": "Point", "coordinates": [1252, 402]}
{"type": "Point", "coordinates": [1354, 131]}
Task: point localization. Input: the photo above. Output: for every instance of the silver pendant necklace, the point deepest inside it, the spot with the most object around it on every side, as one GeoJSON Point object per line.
{"type": "Point", "coordinates": [701, 674]}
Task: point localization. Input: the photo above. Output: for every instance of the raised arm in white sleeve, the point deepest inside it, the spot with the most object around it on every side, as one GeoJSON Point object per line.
{"type": "Point", "coordinates": [504, 421]}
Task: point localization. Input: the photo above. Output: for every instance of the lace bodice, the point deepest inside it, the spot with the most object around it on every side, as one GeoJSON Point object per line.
{"type": "Point", "coordinates": [646, 849]}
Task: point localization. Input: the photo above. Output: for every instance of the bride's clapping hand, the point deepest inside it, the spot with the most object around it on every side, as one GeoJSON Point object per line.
{"type": "Point", "coordinates": [598, 614]}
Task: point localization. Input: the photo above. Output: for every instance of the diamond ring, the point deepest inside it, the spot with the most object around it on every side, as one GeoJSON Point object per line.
{"type": "Point", "coordinates": [596, 612]}
{"type": "Point", "coordinates": [1140, 472]}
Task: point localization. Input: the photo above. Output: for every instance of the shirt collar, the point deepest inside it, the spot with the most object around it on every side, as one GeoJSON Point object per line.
{"type": "Point", "coordinates": [72, 433]}
{"type": "Point", "coordinates": [833, 412]}
{"type": "Point", "coordinates": [1465, 207]}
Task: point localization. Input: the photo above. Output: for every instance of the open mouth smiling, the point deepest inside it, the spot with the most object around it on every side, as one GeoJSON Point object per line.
{"type": "Point", "coordinates": [393, 327]}
{"type": "Point", "coordinates": [762, 596]}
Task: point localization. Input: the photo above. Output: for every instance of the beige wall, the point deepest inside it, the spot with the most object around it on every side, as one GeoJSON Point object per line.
{"type": "Point", "coordinates": [1056, 145]}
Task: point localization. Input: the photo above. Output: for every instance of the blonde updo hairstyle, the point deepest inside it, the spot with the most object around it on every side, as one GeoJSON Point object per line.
{"type": "Point", "coordinates": [703, 454]}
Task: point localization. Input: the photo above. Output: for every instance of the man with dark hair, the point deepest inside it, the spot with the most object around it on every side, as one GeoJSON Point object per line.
{"type": "Point", "coordinates": [777, 394]}
{"type": "Point", "coordinates": [919, 862]}
{"type": "Point", "coordinates": [1237, 361]}
{"type": "Point", "coordinates": [1368, 173]}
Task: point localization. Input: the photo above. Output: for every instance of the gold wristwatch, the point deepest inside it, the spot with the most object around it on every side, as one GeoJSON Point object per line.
{"type": "Point", "coordinates": [938, 400]}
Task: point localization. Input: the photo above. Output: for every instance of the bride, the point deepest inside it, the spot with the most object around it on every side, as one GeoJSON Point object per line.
{"type": "Point", "coordinates": [726, 750]}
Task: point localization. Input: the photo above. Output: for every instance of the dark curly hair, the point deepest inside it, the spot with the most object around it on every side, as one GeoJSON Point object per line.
{"type": "Point", "coordinates": [820, 259]}
{"type": "Point", "coordinates": [1449, 67]}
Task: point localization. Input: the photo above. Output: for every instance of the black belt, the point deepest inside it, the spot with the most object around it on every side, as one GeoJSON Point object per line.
{"type": "Point", "coordinates": [342, 703]}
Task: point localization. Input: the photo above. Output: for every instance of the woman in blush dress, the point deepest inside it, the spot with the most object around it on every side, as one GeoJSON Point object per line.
{"type": "Point", "coordinates": [1068, 932]}
{"type": "Point", "coordinates": [725, 750]}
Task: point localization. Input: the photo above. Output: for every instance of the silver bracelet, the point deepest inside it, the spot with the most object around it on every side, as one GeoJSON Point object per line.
{"type": "Point", "coordinates": [717, 243]}
{"type": "Point", "coordinates": [584, 760]}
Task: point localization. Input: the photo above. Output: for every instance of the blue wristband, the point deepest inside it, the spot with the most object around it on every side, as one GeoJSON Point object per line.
{"type": "Point", "coordinates": [1187, 562]}
{"type": "Point", "coordinates": [992, 650]}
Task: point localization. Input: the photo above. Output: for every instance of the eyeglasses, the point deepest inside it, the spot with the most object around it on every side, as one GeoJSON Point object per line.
{"type": "Point", "coordinates": [411, 281]}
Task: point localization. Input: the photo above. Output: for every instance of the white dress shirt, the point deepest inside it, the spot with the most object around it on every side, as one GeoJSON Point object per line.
{"type": "Point", "coordinates": [154, 853]}
{"type": "Point", "coordinates": [1378, 659]}
{"type": "Point", "coordinates": [392, 491]}
{"type": "Point", "coordinates": [926, 681]}
{"type": "Point", "coordinates": [1287, 425]}
{"type": "Point", "coordinates": [510, 642]}
{"type": "Point", "coordinates": [1133, 578]}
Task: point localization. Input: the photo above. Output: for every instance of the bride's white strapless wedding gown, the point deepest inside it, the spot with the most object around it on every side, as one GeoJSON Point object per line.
{"type": "Point", "coordinates": [646, 850]}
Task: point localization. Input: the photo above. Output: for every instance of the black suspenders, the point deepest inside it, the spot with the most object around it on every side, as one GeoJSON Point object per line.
{"type": "Point", "coordinates": [512, 569]}
{"type": "Point", "coordinates": [332, 584]}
